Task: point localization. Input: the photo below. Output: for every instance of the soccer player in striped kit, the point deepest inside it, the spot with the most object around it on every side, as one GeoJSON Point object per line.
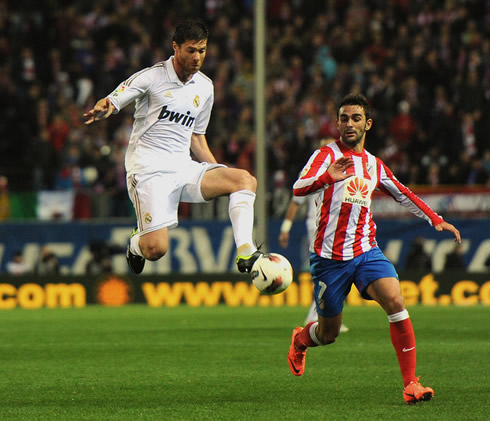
{"type": "Point", "coordinates": [345, 252]}
{"type": "Point", "coordinates": [173, 102]}
{"type": "Point", "coordinates": [294, 205]}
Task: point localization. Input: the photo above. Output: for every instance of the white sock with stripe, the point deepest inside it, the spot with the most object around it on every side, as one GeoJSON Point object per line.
{"type": "Point", "coordinates": [134, 245]}
{"type": "Point", "coordinates": [241, 212]}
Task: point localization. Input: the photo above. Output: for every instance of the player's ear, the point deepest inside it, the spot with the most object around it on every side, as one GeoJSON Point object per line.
{"type": "Point", "coordinates": [369, 123]}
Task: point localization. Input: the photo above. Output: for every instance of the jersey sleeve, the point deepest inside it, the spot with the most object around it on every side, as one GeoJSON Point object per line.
{"type": "Point", "coordinates": [389, 185]}
{"type": "Point", "coordinates": [299, 200]}
{"type": "Point", "coordinates": [314, 175]}
{"type": "Point", "coordinates": [202, 120]}
{"type": "Point", "coordinates": [131, 89]}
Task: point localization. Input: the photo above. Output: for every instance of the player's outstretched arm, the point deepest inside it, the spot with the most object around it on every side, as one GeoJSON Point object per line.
{"type": "Point", "coordinates": [102, 109]}
{"type": "Point", "coordinates": [338, 167]}
{"type": "Point", "coordinates": [287, 223]}
{"type": "Point", "coordinates": [445, 226]}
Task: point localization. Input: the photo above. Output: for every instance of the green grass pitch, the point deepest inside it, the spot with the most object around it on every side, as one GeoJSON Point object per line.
{"type": "Point", "coordinates": [223, 363]}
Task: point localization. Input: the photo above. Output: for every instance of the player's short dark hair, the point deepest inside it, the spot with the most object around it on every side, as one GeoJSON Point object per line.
{"type": "Point", "coordinates": [356, 99]}
{"type": "Point", "coordinates": [190, 30]}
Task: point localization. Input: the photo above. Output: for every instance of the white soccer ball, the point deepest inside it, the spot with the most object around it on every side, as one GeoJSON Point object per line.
{"type": "Point", "coordinates": [272, 273]}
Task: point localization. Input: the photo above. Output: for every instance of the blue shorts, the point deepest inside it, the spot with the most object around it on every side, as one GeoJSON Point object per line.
{"type": "Point", "coordinates": [333, 279]}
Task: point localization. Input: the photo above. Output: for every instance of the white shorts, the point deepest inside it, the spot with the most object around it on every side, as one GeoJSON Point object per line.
{"type": "Point", "coordinates": [156, 196]}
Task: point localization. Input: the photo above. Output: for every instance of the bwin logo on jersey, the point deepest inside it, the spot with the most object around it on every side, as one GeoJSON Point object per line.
{"type": "Point", "coordinates": [183, 119]}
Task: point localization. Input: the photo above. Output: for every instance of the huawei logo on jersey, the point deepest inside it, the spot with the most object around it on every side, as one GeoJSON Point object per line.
{"type": "Point", "coordinates": [357, 186]}
{"type": "Point", "coordinates": [356, 192]}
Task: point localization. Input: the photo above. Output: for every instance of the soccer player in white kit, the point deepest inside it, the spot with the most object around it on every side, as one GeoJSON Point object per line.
{"type": "Point", "coordinates": [344, 251]}
{"type": "Point", "coordinates": [293, 207]}
{"type": "Point", "coordinates": [173, 102]}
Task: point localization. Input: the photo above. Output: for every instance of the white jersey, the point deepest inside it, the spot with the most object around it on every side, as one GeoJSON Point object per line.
{"type": "Point", "coordinates": [167, 112]}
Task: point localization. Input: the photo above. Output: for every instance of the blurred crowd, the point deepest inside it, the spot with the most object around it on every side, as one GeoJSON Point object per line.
{"type": "Point", "coordinates": [48, 264]}
{"type": "Point", "coordinates": [423, 64]}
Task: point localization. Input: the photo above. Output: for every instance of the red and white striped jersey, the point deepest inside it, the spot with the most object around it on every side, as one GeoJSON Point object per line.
{"type": "Point", "coordinates": [344, 222]}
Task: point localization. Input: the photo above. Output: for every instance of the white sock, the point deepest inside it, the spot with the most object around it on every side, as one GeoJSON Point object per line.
{"type": "Point", "coordinates": [398, 317]}
{"type": "Point", "coordinates": [134, 246]}
{"type": "Point", "coordinates": [241, 211]}
{"type": "Point", "coordinates": [313, 333]}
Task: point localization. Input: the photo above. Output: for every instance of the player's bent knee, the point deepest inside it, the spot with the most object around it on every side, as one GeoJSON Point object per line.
{"type": "Point", "coordinates": [247, 181]}
{"type": "Point", "coordinates": [153, 253]}
{"type": "Point", "coordinates": [395, 304]}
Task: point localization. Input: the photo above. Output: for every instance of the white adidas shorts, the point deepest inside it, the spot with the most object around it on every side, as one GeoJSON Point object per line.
{"type": "Point", "coordinates": [156, 196]}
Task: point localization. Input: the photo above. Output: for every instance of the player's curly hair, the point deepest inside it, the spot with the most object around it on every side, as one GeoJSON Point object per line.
{"type": "Point", "coordinates": [356, 99]}
{"type": "Point", "coordinates": [190, 30]}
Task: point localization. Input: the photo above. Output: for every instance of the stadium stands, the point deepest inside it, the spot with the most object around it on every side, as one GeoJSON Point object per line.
{"type": "Point", "coordinates": [423, 64]}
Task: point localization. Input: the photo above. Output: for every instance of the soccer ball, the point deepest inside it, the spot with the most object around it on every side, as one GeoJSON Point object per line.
{"type": "Point", "coordinates": [272, 273]}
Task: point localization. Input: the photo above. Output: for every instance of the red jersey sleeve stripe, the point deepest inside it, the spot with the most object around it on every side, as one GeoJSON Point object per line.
{"type": "Point", "coordinates": [406, 197]}
{"type": "Point", "coordinates": [310, 181]}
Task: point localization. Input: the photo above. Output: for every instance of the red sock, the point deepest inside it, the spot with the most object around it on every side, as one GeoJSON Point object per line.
{"type": "Point", "coordinates": [303, 339]}
{"type": "Point", "coordinates": [403, 340]}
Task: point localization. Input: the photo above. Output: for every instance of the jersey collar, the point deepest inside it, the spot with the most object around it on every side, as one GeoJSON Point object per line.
{"type": "Point", "coordinates": [347, 151]}
{"type": "Point", "coordinates": [173, 75]}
